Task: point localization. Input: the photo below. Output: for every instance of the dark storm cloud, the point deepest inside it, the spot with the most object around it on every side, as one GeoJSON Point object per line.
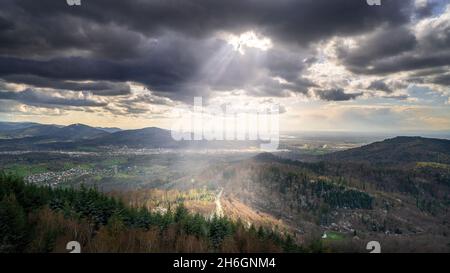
{"type": "Point", "coordinates": [430, 72]}
{"type": "Point", "coordinates": [380, 85]}
{"type": "Point", "coordinates": [148, 98]}
{"type": "Point", "coordinates": [33, 97]}
{"type": "Point", "coordinates": [174, 67]}
{"type": "Point", "coordinates": [391, 50]}
{"type": "Point", "coordinates": [438, 76]}
{"type": "Point", "coordinates": [274, 88]}
{"type": "Point", "coordinates": [397, 97]}
{"type": "Point", "coordinates": [101, 88]}
{"type": "Point", "coordinates": [168, 46]}
{"type": "Point", "coordinates": [407, 61]}
{"type": "Point", "coordinates": [170, 60]}
{"type": "Point", "coordinates": [427, 8]}
{"type": "Point", "coordinates": [382, 45]}
{"type": "Point", "coordinates": [162, 72]}
{"type": "Point", "coordinates": [56, 25]}
{"type": "Point", "coordinates": [336, 95]}
{"type": "Point", "coordinates": [443, 79]}
{"type": "Point", "coordinates": [286, 65]}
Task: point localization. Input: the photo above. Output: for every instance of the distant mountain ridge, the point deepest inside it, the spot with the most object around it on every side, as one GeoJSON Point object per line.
{"type": "Point", "coordinates": [35, 136]}
{"type": "Point", "coordinates": [154, 137]}
{"type": "Point", "coordinates": [71, 132]}
{"type": "Point", "coordinates": [109, 129]}
{"type": "Point", "coordinates": [400, 149]}
{"type": "Point", "coordinates": [41, 136]}
{"type": "Point", "coordinates": [151, 137]}
{"type": "Point", "coordinates": [9, 126]}
{"type": "Point", "coordinates": [33, 129]}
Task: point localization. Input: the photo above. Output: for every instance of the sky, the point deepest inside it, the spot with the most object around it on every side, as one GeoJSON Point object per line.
{"type": "Point", "coordinates": [338, 65]}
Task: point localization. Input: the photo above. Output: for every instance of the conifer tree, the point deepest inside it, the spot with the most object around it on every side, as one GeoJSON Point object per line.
{"type": "Point", "coordinates": [12, 225]}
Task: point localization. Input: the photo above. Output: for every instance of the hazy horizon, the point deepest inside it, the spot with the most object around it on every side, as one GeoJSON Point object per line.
{"type": "Point", "coordinates": [296, 134]}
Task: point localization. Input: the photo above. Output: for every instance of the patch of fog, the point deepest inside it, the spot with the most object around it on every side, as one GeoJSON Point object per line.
{"type": "Point", "coordinates": [146, 151]}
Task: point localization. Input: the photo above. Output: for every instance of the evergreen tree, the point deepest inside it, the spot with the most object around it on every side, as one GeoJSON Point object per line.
{"type": "Point", "coordinates": [13, 225]}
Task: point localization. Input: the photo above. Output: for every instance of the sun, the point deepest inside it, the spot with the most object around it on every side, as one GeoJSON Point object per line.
{"type": "Point", "coordinates": [248, 39]}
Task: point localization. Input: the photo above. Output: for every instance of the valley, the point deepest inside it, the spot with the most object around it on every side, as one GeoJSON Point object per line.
{"type": "Point", "coordinates": [337, 192]}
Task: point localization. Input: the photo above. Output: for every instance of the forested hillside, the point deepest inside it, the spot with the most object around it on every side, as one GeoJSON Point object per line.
{"type": "Point", "coordinates": [398, 150]}
{"type": "Point", "coordinates": [42, 219]}
{"type": "Point", "coordinates": [408, 202]}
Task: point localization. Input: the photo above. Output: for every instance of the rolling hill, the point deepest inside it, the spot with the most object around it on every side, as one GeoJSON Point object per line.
{"type": "Point", "coordinates": [408, 202]}
{"type": "Point", "coordinates": [9, 126]}
{"type": "Point", "coordinates": [397, 150]}
{"type": "Point", "coordinates": [76, 135]}
{"type": "Point", "coordinates": [141, 138]}
{"type": "Point", "coordinates": [33, 131]}
{"type": "Point", "coordinates": [78, 132]}
{"type": "Point", "coordinates": [109, 129]}
{"type": "Point", "coordinates": [71, 132]}
{"type": "Point", "coordinates": [41, 136]}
